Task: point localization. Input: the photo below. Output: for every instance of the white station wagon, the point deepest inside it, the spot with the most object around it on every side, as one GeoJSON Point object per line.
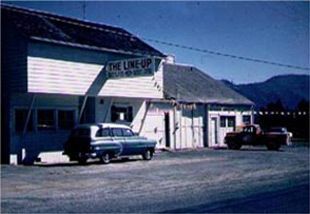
{"type": "Point", "coordinates": [106, 141]}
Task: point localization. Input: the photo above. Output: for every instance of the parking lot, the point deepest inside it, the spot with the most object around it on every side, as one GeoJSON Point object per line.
{"type": "Point", "coordinates": [206, 180]}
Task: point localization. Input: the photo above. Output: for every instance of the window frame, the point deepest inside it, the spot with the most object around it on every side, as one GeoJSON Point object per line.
{"type": "Point", "coordinates": [31, 120]}
{"type": "Point", "coordinates": [126, 109]}
{"type": "Point", "coordinates": [227, 119]}
{"type": "Point", "coordinates": [57, 119]}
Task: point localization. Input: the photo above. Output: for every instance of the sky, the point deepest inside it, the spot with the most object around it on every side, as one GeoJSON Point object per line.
{"type": "Point", "coordinates": [273, 31]}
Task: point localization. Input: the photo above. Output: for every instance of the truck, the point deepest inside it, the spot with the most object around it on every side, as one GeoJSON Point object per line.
{"type": "Point", "coordinates": [253, 135]}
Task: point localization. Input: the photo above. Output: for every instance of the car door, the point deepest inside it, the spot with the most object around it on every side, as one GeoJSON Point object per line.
{"type": "Point", "coordinates": [133, 144]}
{"type": "Point", "coordinates": [106, 142]}
{"type": "Point", "coordinates": [117, 136]}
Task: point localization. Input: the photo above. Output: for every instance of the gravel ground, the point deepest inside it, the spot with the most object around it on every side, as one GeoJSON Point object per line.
{"type": "Point", "coordinates": [187, 181]}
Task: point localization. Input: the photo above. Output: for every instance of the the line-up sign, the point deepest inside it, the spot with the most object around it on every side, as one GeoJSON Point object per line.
{"type": "Point", "coordinates": [131, 67]}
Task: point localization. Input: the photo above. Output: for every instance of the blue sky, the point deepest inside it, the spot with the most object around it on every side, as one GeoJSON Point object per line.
{"type": "Point", "coordinates": [273, 31]}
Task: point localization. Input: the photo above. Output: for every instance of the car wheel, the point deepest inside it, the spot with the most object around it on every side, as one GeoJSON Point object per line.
{"type": "Point", "coordinates": [105, 158]}
{"type": "Point", "coordinates": [82, 160]}
{"type": "Point", "coordinates": [147, 155]}
{"type": "Point", "coordinates": [233, 145]}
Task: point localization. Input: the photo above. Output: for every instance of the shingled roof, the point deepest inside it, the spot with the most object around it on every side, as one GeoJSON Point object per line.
{"type": "Point", "coordinates": [189, 84]}
{"type": "Point", "coordinates": [43, 26]}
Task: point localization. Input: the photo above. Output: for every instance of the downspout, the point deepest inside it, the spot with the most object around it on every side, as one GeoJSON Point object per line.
{"type": "Point", "coordinates": [175, 128]}
{"type": "Point", "coordinates": [82, 108]}
{"type": "Point", "coordinates": [147, 106]}
{"type": "Point", "coordinates": [252, 114]}
{"type": "Point", "coordinates": [23, 153]}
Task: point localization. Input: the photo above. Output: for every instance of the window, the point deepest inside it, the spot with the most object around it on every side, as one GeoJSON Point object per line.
{"type": "Point", "coordinates": [20, 120]}
{"type": "Point", "coordinates": [65, 119]}
{"type": "Point", "coordinates": [246, 119]}
{"type": "Point", "coordinates": [227, 121]}
{"type": "Point", "coordinates": [231, 121]}
{"type": "Point", "coordinates": [103, 132]}
{"type": "Point", "coordinates": [117, 132]}
{"type": "Point", "coordinates": [81, 132]}
{"type": "Point", "coordinates": [121, 114]}
{"type": "Point", "coordinates": [46, 120]}
{"type": "Point", "coordinates": [222, 121]}
{"type": "Point", "coordinates": [127, 133]}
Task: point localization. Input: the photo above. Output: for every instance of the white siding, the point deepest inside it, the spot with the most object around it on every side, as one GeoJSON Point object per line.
{"type": "Point", "coordinates": [222, 131]}
{"type": "Point", "coordinates": [50, 72]}
{"type": "Point", "coordinates": [190, 132]}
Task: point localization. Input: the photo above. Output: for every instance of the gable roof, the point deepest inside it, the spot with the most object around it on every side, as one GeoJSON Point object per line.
{"type": "Point", "coordinates": [43, 26]}
{"type": "Point", "coordinates": [189, 84]}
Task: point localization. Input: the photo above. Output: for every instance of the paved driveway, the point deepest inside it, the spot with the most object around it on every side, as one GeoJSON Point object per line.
{"type": "Point", "coordinates": [250, 180]}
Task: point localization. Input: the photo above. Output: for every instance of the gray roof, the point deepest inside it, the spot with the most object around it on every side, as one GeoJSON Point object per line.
{"type": "Point", "coordinates": [43, 26]}
{"type": "Point", "coordinates": [189, 84]}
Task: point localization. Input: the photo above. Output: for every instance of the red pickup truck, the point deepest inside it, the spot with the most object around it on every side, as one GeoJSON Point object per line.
{"type": "Point", "coordinates": [253, 135]}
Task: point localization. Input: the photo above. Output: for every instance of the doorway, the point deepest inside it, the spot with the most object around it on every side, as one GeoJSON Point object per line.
{"type": "Point", "coordinates": [167, 129]}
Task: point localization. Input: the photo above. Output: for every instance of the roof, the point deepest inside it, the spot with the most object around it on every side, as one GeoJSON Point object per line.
{"type": "Point", "coordinates": [189, 84]}
{"type": "Point", "coordinates": [43, 26]}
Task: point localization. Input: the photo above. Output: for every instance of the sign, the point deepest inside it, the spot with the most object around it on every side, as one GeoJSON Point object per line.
{"type": "Point", "coordinates": [131, 67]}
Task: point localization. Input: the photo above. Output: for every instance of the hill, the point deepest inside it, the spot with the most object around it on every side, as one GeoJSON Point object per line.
{"type": "Point", "coordinates": [289, 89]}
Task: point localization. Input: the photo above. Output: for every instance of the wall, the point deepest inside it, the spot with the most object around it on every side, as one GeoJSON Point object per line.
{"type": "Point", "coordinates": [64, 70]}
{"type": "Point", "coordinates": [190, 130]}
{"type": "Point", "coordinates": [39, 143]}
{"type": "Point", "coordinates": [13, 79]}
{"type": "Point", "coordinates": [221, 131]}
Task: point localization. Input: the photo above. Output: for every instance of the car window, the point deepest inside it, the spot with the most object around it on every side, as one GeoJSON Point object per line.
{"type": "Point", "coordinates": [127, 133]}
{"type": "Point", "coordinates": [117, 132]}
{"type": "Point", "coordinates": [103, 132]}
{"type": "Point", "coordinates": [249, 129]}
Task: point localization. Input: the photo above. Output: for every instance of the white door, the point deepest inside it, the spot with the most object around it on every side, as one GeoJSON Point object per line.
{"type": "Point", "coordinates": [213, 132]}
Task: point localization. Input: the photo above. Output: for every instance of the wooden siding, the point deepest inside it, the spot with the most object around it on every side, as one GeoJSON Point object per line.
{"type": "Point", "coordinates": [13, 61]}
{"type": "Point", "coordinates": [62, 75]}
{"type": "Point", "coordinates": [222, 131]}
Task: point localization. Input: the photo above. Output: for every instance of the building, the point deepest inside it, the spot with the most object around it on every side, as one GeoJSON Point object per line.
{"type": "Point", "coordinates": [197, 110]}
{"type": "Point", "coordinates": [59, 71]}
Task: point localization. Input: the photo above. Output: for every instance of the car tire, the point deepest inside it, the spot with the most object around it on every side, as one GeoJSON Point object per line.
{"type": "Point", "coordinates": [233, 145]}
{"type": "Point", "coordinates": [82, 160]}
{"type": "Point", "coordinates": [105, 158]}
{"type": "Point", "coordinates": [147, 155]}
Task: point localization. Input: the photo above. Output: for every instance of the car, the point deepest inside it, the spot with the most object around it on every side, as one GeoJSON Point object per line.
{"type": "Point", "coordinates": [253, 135]}
{"type": "Point", "coordinates": [106, 141]}
{"type": "Point", "coordinates": [284, 131]}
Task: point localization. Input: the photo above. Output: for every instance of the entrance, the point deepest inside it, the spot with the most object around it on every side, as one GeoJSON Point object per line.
{"type": "Point", "coordinates": [167, 129]}
{"type": "Point", "coordinates": [213, 133]}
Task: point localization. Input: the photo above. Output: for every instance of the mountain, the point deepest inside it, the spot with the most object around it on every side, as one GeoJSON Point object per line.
{"type": "Point", "coordinates": [289, 89]}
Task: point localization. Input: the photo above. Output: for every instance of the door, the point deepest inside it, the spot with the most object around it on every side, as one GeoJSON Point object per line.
{"type": "Point", "coordinates": [213, 132]}
{"type": "Point", "coordinates": [117, 136]}
{"type": "Point", "coordinates": [133, 145]}
{"type": "Point", "coordinates": [167, 129]}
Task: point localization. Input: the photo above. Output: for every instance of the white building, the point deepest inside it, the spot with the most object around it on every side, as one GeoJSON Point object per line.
{"type": "Point", "coordinates": [59, 71]}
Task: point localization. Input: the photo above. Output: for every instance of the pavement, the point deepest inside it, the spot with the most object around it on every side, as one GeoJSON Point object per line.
{"type": "Point", "coordinates": [252, 180]}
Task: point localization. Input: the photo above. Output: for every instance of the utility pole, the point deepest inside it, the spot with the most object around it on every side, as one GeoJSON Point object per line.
{"type": "Point", "coordinates": [84, 9]}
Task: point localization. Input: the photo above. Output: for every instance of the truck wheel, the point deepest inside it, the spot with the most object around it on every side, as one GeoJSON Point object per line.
{"type": "Point", "coordinates": [105, 158]}
{"type": "Point", "coordinates": [233, 145]}
{"type": "Point", "coordinates": [147, 155]}
{"type": "Point", "coordinates": [273, 146]}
